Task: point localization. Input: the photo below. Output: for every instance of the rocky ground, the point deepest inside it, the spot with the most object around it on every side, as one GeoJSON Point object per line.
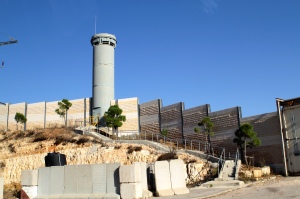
{"type": "Point", "coordinates": [26, 150]}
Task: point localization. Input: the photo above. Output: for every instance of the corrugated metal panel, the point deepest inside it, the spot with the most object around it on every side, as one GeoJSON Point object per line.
{"type": "Point", "coordinates": [291, 117]}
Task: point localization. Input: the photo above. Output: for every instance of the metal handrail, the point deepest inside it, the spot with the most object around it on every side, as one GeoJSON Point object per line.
{"type": "Point", "coordinates": [237, 156]}
{"type": "Point", "coordinates": [184, 144]}
{"type": "Point", "coordinates": [222, 161]}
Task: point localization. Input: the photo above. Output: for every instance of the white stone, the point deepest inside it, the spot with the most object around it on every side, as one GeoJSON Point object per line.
{"type": "Point", "coordinates": [131, 190]}
{"type": "Point", "coordinates": [178, 177]}
{"type": "Point", "coordinates": [163, 178]}
{"type": "Point", "coordinates": [266, 170]}
{"type": "Point", "coordinates": [130, 173]}
{"type": "Point", "coordinates": [29, 177]}
{"type": "Point", "coordinates": [31, 191]}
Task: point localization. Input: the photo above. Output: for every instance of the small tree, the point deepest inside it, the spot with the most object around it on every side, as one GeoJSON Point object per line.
{"type": "Point", "coordinates": [20, 118]}
{"type": "Point", "coordinates": [63, 108]}
{"type": "Point", "coordinates": [113, 118]}
{"type": "Point", "coordinates": [164, 132]}
{"type": "Point", "coordinates": [208, 125]}
{"type": "Point", "coordinates": [246, 138]}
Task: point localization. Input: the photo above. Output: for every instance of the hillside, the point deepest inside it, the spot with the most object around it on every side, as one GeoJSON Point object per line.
{"type": "Point", "coordinates": [26, 150]}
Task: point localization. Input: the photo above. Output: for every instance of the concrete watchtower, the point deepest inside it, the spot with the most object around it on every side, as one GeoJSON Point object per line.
{"type": "Point", "coordinates": [103, 72]}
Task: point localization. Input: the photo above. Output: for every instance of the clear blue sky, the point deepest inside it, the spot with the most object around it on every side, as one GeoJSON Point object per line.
{"type": "Point", "coordinates": [225, 53]}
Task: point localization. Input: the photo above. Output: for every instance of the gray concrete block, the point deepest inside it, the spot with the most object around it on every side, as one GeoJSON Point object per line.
{"type": "Point", "coordinates": [54, 196]}
{"type": "Point", "coordinates": [44, 181]}
{"type": "Point", "coordinates": [67, 196]}
{"type": "Point", "coordinates": [29, 177]}
{"type": "Point", "coordinates": [84, 179]}
{"type": "Point", "coordinates": [178, 173]}
{"type": "Point", "coordinates": [41, 197]}
{"type": "Point", "coordinates": [70, 180]}
{"type": "Point", "coordinates": [99, 178]}
{"type": "Point", "coordinates": [147, 194]}
{"type": "Point", "coordinates": [57, 180]}
{"type": "Point", "coordinates": [97, 196]}
{"type": "Point", "coordinates": [111, 196]}
{"type": "Point", "coordinates": [144, 181]}
{"type": "Point", "coordinates": [131, 190]}
{"type": "Point", "coordinates": [130, 173]}
{"type": "Point", "coordinates": [81, 196]}
{"type": "Point", "coordinates": [163, 178]}
{"type": "Point", "coordinates": [112, 178]}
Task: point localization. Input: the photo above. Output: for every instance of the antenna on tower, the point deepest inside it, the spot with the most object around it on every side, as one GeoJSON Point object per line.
{"type": "Point", "coordinates": [95, 24]}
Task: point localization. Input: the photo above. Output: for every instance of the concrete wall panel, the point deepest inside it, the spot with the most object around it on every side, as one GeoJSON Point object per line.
{"type": "Point", "coordinates": [35, 115]}
{"type": "Point", "coordinates": [130, 110]}
{"type": "Point", "coordinates": [13, 109]}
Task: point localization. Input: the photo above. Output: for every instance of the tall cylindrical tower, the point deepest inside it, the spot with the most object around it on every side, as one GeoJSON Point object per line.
{"type": "Point", "coordinates": [103, 72]}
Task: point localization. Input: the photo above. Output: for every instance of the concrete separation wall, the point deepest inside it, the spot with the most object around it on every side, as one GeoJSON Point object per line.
{"type": "Point", "coordinates": [267, 128]}
{"type": "Point", "coordinates": [149, 114]}
{"type": "Point", "coordinates": [171, 120]}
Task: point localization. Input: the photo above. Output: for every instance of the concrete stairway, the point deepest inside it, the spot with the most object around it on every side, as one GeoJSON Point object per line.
{"type": "Point", "coordinates": [228, 176]}
{"type": "Point", "coordinates": [228, 171]}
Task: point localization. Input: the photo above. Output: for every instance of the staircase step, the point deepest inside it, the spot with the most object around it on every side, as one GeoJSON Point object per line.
{"type": "Point", "coordinates": [233, 183]}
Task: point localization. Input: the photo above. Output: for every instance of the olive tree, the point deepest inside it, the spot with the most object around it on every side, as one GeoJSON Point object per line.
{"type": "Point", "coordinates": [245, 138]}
{"type": "Point", "coordinates": [113, 118]}
{"type": "Point", "coordinates": [207, 124]}
{"type": "Point", "coordinates": [20, 118]}
{"type": "Point", "coordinates": [62, 110]}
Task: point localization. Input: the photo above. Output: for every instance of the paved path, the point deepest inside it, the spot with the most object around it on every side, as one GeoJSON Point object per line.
{"type": "Point", "coordinates": [279, 188]}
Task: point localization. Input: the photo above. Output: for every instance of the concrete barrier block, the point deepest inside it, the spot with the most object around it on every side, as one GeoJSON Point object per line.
{"type": "Point", "coordinates": [70, 180]}
{"type": "Point", "coordinates": [30, 191]}
{"type": "Point", "coordinates": [144, 181]}
{"type": "Point", "coordinates": [44, 181]}
{"type": "Point", "coordinates": [112, 178]}
{"type": "Point", "coordinates": [29, 177]}
{"type": "Point", "coordinates": [131, 190]}
{"type": "Point", "coordinates": [99, 179]}
{"type": "Point", "coordinates": [163, 178]}
{"type": "Point", "coordinates": [54, 196]}
{"type": "Point", "coordinates": [57, 180]}
{"type": "Point", "coordinates": [84, 179]}
{"type": "Point", "coordinates": [67, 196]}
{"type": "Point", "coordinates": [178, 175]}
{"type": "Point", "coordinates": [97, 196]}
{"type": "Point", "coordinates": [111, 196]}
{"type": "Point", "coordinates": [41, 197]}
{"type": "Point", "coordinates": [130, 173]}
{"type": "Point", "coordinates": [81, 196]}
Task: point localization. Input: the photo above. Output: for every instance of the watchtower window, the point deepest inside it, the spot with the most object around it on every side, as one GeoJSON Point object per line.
{"type": "Point", "coordinates": [112, 44]}
{"type": "Point", "coordinates": [105, 42]}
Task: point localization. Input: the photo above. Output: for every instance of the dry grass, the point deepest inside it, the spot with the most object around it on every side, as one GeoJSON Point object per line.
{"type": "Point", "coordinates": [12, 191]}
{"type": "Point", "coordinates": [131, 149]}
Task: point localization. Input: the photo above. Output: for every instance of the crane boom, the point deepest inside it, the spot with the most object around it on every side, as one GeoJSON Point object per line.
{"type": "Point", "coordinates": [12, 41]}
